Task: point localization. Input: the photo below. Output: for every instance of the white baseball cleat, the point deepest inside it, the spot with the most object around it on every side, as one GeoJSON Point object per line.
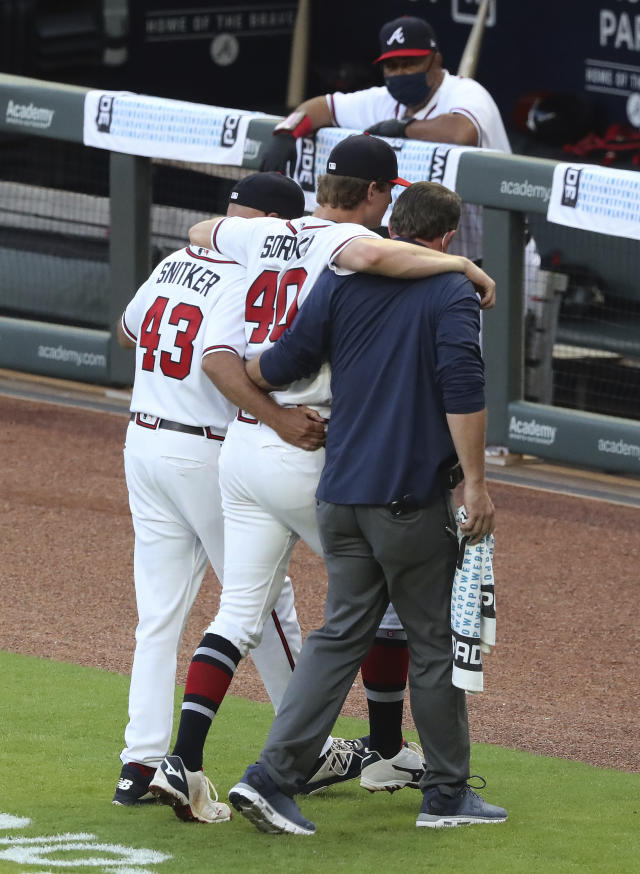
{"type": "Point", "coordinates": [404, 769]}
{"type": "Point", "coordinates": [188, 792]}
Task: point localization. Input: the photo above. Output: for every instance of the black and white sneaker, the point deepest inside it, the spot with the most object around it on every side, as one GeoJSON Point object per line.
{"type": "Point", "coordinates": [341, 762]}
{"type": "Point", "coordinates": [133, 785]}
{"type": "Point", "coordinates": [404, 769]}
{"type": "Point", "coordinates": [188, 792]}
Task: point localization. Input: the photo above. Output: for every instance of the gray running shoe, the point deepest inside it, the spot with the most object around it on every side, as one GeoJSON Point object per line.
{"type": "Point", "coordinates": [466, 807]}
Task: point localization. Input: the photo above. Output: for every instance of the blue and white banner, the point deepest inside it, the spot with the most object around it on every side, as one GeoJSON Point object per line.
{"type": "Point", "coordinates": [595, 198]}
{"type": "Point", "coordinates": [156, 127]}
{"type": "Point", "coordinates": [417, 161]}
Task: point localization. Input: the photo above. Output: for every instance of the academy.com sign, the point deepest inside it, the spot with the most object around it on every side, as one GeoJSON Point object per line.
{"type": "Point", "coordinates": [28, 115]}
{"type": "Point", "coordinates": [73, 356]}
{"type": "Point", "coordinates": [515, 188]}
{"type": "Point", "coordinates": [531, 431]}
{"type": "Point", "coordinates": [618, 447]}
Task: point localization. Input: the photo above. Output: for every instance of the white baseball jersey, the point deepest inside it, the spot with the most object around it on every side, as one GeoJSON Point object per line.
{"type": "Point", "coordinates": [268, 486]}
{"type": "Point", "coordinates": [283, 260]}
{"type": "Point", "coordinates": [456, 94]}
{"type": "Point", "coordinates": [362, 109]}
{"type": "Point", "coordinates": [169, 319]}
{"type": "Point", "coordinates": [173, 483]}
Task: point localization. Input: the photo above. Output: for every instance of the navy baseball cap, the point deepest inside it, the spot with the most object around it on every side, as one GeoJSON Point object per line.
{"type": "Point", "coordinates": [269, 192]}
{"type": "Point", "coordinates": [365, 157]}
{"type": "Point", "coordinates": [406, 37]}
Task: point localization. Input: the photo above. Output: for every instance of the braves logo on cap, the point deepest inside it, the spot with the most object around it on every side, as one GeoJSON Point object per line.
{"type": "Point", "coordinates": [406, 37]}
{"type": "Point", "coordinates": [396, 36]}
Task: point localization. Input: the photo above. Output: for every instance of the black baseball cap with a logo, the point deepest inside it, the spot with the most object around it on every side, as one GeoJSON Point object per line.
{"type": "Point", "coordinates": [269, 192]}
{"type": "Point", "coordinates": [406, 37]}
{"type": "Point", "coordinates": [365, 157]}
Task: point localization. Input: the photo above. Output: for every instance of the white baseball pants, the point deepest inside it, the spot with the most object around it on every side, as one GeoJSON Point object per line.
{"type": "Point", "coordinates": [268, 500]}
{"type": "Point", "coordinates": [174, 498]}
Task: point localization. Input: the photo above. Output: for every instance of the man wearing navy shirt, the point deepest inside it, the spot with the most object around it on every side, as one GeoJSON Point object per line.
{"type": "Point", "coordinates": [408, 397]}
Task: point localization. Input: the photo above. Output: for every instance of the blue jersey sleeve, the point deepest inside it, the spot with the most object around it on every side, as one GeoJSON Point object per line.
{"type": "Point", "coordinates": [460, 368]}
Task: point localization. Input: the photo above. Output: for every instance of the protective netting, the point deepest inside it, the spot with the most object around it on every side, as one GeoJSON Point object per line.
{"type": "Point", "coordinates": [54, 224]}
{"type": "Point", "coordinates": [581, 297]}
{"type": "Point", "coordinates": [54, 231]}
{"type": "Point", "coordinates": [582, 321]}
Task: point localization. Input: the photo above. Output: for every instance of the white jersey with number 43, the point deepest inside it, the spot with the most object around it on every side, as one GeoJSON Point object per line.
{"type": "Point", "coordinates": [190, 296]}
{"type": "Point", "coordinates": [283, 259]}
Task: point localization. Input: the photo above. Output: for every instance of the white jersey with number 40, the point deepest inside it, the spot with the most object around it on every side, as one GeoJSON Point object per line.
{"type": "Point", "coordinates": [283, 259]}
{"type": "Point", "coordinates": [190, 296]}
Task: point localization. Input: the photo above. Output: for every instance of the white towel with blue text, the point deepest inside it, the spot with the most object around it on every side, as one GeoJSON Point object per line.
{"type": "Point", "coordinates": [473, 615]}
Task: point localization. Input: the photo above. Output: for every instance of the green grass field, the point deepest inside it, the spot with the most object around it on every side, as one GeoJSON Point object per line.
{"type": "Point", "coordinates": [61, 728]}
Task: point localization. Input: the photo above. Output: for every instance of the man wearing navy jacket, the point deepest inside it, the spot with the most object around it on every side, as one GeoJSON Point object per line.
{"type": "Point", "coordinates": [408, 402]}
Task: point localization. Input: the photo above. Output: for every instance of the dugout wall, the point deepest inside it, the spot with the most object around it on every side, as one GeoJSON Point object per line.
{"type": "Point", "coordinates": [71, 259]}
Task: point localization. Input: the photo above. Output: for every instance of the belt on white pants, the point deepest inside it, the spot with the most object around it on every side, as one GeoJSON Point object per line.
{"type": "Point", "coordinates": [146, 420]}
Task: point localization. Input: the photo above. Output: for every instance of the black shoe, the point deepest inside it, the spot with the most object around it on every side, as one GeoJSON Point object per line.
{"type": "Point", "coordinates": [341, 762]}
{"type": "Point", "coordinates": [133, 785]}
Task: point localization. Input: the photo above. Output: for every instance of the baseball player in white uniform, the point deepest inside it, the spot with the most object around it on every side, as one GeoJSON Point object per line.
{"type": "Point", "coordinates": [268, 486]}
{"type": "Point", "coordinates": [419, 100]}
{"type": "Point", "coordinates": [178, 425]}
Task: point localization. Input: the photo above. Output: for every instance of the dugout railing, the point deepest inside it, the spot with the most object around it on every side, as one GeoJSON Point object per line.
{"type": "Point", "coordinates": [126, 229]}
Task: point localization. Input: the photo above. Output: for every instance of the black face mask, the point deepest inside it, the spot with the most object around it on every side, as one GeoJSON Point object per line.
{"type": "Point", "coordinates": [410, 89]}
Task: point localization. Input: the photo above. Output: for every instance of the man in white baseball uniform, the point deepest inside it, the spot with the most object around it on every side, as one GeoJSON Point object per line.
{"type": "Point", "coordinates": [178, 425]}
{"type": "Point", "coordinates": [268, 486]}
{"type": "Point", "coordinates": [419, 100]}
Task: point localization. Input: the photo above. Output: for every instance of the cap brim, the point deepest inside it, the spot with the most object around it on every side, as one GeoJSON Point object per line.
{"type": "Point", "coordinates": [404, 53]}
{"type": "Point", "coordinates": [400, 181]}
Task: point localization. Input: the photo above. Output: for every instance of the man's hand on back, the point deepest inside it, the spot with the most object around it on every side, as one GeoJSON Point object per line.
{"type": "Point", "coordinates": [300, 426]}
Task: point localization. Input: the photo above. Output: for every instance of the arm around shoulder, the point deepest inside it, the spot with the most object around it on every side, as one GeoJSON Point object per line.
{"type": "Point", "coordinates": [395, 258]}
{"type": "Point", "coordinates": [406, 261]}
{"type": "Point", "coordinates": [200, 233]}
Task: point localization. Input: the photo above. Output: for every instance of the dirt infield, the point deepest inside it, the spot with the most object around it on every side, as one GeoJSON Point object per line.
{"type": "Point", "coordinates": [562, 680]}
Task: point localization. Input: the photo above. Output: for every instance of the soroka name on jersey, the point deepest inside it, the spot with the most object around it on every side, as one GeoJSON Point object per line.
{"type": "Point", "coordinates": [193, 276]}
{"type": "Point", "coordinates": [285, 246]}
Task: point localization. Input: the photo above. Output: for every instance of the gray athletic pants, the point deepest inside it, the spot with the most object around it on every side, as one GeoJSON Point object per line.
{"type": "Point", "coordinates": [373, 557]}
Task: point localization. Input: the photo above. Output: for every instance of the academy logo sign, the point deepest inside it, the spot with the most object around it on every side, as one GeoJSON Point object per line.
{"type": "Point", "coordinates": [524, 188]}
{"type": "Point", "coordinates": [28, 115]}
{"type": "Point", "coordinates": [532, 431]}
{"type": "Point", "coordinates": [619, 447]}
